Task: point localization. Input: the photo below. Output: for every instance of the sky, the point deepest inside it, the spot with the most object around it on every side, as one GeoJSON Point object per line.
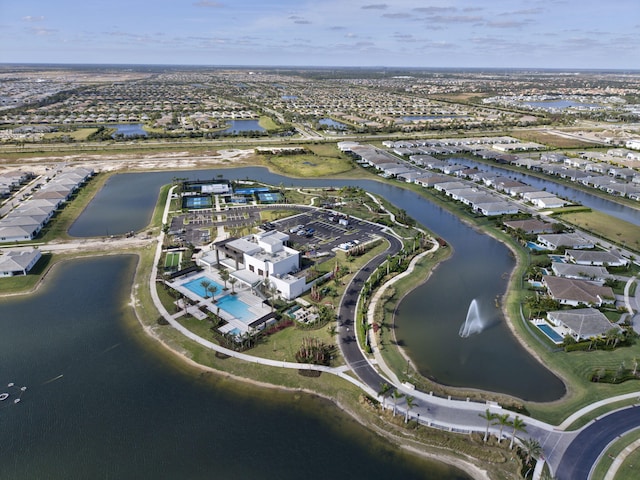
{"type": "Point", "coordinates": [565, 34]}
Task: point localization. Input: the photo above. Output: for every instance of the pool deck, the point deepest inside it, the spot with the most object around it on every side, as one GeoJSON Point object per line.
{"type": "Point", "coordinates": [255, 304]}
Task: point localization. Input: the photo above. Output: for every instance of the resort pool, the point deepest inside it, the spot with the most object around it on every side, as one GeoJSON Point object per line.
{"type": "Point", "coordinates": [551, 333]}
{"type": "Point", "coordinates": [196, 287]}
{"type": "Point", "coordinates": [236, 307]}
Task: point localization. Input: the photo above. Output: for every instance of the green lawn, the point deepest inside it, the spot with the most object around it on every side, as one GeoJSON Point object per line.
{"type": "Point", "coordinates": [267, 123]}
{"type": "Point", "coordinates": [605, 226]}
{"type": "Point", "coordinates": [629, 469]}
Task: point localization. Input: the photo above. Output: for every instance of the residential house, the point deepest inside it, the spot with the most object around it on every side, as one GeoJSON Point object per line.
{"type": "Point", "coordinates": [595, 257]}
{"type": "Point", "coordinates": [577, 292]}
{"type": "Point", "coordinates": [14, 263]}
{"type": "Point", "coordinates": [553, 241]}
{"type": "Point", "coordinates": [582, 323]}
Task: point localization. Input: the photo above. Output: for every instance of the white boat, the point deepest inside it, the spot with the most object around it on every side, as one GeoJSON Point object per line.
{"type": "Point", "coordinates": [3, 396]}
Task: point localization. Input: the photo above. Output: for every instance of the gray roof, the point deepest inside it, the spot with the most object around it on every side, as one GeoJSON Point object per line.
{"type": "Point", "coordinates": [583, 271]}
{"type": "Point", "coordinates": [585, 322]}
{"type": "Point", "coordinates": [18, 260]}
{"type": "Point", "coordinates": [579, 291]}
{"type": "Point", "coordinates": [593, 256]}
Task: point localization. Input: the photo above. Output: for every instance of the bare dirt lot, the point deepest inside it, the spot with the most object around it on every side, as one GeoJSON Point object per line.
{"type": "Point", "coordinates": [152, 161]}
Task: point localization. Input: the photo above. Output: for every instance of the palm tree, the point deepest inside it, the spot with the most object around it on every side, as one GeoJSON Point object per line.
{"type": "Point", "coordinates": [224, 275]}
{"type": "Point", "coordinates": [206, 285]}
{"type": "Point", "coordinates": [385, 388]}
{"type": "Point", "coordinates": [410, 404]}
{"type": "Point", "coordinates": [213, 289]}
{"type": "Point", "coordinates": [532, 449]}
{"type": "Point", "coordinates": [233, 281]}
{"type": "Point", "coordinates": [518, 425]}
{"type": "Point", "coordinates": [396, 396]}
{"type": "Point", "coordinates": [503, 421]}
{"type": "Point", "coordinates": [489, 416]}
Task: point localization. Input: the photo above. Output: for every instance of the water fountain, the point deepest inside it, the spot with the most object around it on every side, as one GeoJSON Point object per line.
{"type": "Point", "coordinates": [473, 323]}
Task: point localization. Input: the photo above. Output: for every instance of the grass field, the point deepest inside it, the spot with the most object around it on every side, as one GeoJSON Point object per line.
{"type": "Point", "coordinates": [267, 123]}
{"type": "Point", "coordinates": [605, 226]}
{"type": "Point", "coordinates": [550, 140]}
{"type": "Point", "coordinates": [322, 161]}
{"type": "Point", "coordinates": [78, 135]}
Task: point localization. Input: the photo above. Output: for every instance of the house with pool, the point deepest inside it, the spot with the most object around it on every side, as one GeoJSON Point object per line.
{"type": "Point", "coordinates": [581, 323]}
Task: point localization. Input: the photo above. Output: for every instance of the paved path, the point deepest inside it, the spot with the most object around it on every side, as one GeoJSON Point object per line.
{"type": "Point", "coordinates": [443, 413]}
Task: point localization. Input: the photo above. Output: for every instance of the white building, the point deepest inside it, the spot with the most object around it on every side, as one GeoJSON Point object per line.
{"type": "Point", "coordinates": [264, 257]}
{"type": "Point", "coordinates": [14, 263]}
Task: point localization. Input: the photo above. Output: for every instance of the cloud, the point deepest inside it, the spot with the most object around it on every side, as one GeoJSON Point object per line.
{"type": "Point", "coordinates": [208, 4]}
{"type": "Point", "coordinates": [509, 24]}
{"type": "Point", "coordinates": [299, 20]}
{"type": "Point", "coordinates": [376, 6]}
{"type": "Point", "coordinates": [455, 19]}
{"type": "Point", "coordinates": [530, 11]}
{"type": "Point", "coordinates": [42, 32]}
{"type": "Point", "coordinates": [396, 15]}
{"type": "Point", "coordinates": [404, 37]}
{"type": "Point", "coordinates": [434, 10]}
{"type": "Point", "coordinates": [30, 18]}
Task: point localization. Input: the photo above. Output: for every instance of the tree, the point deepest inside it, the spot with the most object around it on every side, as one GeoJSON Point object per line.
{"type": "Point", "coordinates": [233, 281]}
{"type": "Point", "coordinates": [270, 290]}
{"type": "Point", "coordinates": [518, 425]}
{"type": "Point", "coordinates": [213, 289]}
{"type": "Point", "coordinates": [224, 275]}
{"type": "Point", "coordinates": [503, 421]}
{"type": "Point", "coordinates": [396, 396]}
{"type": "Point", "coordinates": [385, 388]}
{"type": "Point", "coordinates": [489, 417]}
{"type": "Point", "coordinates": [532, 449]}
{"type": "Point", "coordinates": [206, 285]}
{"type": "Point", "coordinates": [410, 404]}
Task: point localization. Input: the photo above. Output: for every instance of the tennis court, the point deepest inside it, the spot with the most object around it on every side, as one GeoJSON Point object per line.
{"type": "Point", "coordinates": [195, 202]}
{"type": "Point", "coordinates": [172, 260]}
{"type": "Point", "coordinates": [270, 197]}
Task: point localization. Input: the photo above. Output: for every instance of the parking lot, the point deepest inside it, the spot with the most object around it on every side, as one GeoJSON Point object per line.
{"type": "Point", "coordinates": [322, 231]}
{"type": "Point", "coordinates": [316, 231]}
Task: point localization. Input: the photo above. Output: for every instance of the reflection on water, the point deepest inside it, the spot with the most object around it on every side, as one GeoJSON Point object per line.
{"type": "Point", "coordinates": [101, 404]}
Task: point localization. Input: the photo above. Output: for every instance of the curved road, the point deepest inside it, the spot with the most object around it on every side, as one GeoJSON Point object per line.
{"type": "Point", "coordinates": [582, 453]}
{"type": "Point", "coordinates": [347, 335]}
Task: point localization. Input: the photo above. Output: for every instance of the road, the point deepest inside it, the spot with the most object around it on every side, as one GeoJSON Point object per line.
{"type": "Point", "coordinates": [581, 454]}
{"type": "Point", "coordinates": [347, 335]}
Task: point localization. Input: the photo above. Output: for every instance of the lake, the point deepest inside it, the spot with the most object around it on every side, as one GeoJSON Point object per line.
{"type": "Point", "coordinates": [239, 126]}
{"type": "Point", "coordinates": [105, 401]}
{"type": "Point", "coordinates": [128, 130]}
{"type": "Point", "coordinates": [431, 315]}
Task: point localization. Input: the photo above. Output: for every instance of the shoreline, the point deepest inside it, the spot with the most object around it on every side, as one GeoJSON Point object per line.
{"type": "Point", "coordinates": [150, 333]}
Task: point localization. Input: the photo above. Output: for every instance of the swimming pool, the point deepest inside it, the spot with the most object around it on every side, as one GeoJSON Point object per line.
{"type": "Point", "coordinates": [196, 287]}
{"type": "Point", "coordinates": [236, 307]}
{"type": "Point", "coordinates": [551, 333]}
{"type": "Point", "coordinates": [535, 246]}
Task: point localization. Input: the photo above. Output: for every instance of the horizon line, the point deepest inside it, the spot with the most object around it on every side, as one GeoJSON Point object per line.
{"type": "Point", "coordinates": [314, 67]}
